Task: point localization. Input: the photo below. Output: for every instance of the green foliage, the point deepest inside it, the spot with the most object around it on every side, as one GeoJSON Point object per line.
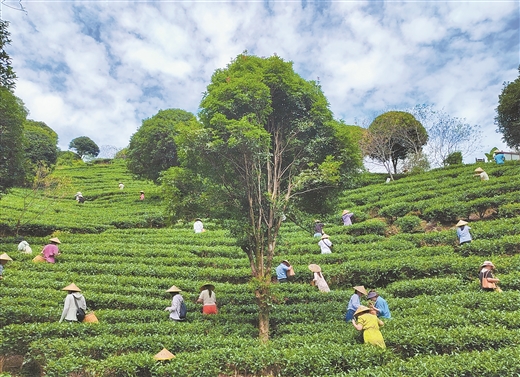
{"type": "Point", "coordinates": [7, 74]}
{"type": "Point", "coordinates": [12, 116]}
{"type": "Point", "coordinates": [454, 158]}
{"type": "Point", "coordinates": [84, 146]}
{"type": "Point", "coordinates": [409, 224]}
{"type": "Point", "coordinates": [40, 144]}
{"type": "Point", "coordinates": [508, 116]}
{"type": "Point", "coordinates": [153, 148]}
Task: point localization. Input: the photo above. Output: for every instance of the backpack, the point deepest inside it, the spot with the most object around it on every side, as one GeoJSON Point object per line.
{"type": "Point", "coordinates": [80, 313]}
{"type": "Point", "coordinates": [183, 311]}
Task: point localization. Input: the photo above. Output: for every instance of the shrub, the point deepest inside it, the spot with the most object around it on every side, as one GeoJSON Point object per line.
{"type": "Point", "coordinates": [409, 224]}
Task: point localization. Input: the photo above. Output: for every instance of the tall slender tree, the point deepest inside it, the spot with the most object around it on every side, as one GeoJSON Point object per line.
{"type": "Point", "coordinates": [268, 138]}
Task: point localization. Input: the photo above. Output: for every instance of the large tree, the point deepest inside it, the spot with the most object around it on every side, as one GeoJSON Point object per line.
{"type": "Point", "coordinates": [84, 147]}
{"type": "Point", "coordinates": [268, 138]}
{"type": "Point", "coordinates": [41, 144]}
{"type": "Point", "coordinates": [508, 113]}
{"type": "Point", "coordinates": [152, 148]}
{"type": "Point", "coordinates": [393, 136]}
{"type": "Point", "coordinates": [7, 75]}
{"type": "Point", "coordinates": [12, 117]}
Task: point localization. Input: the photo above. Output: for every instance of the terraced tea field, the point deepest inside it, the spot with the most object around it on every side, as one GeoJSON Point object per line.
{"type": "Point", "coordinates": [118, 250]}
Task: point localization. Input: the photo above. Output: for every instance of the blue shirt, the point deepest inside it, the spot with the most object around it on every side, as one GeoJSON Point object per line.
{"type": "Point", "coordinates": [281, 271]}
{"type": "Point", "coordinates": [354, 302]}
{"type": "Point", "coordinates": [382, 306]}
{"type": "Point", "coordinates": [500, 158]}
{"type": "Point", "coordinates": [463, 234]}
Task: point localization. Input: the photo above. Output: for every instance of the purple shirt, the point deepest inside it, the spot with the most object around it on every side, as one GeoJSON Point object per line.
{"type": "Point", "coordinates": [49, 252]}
{"type": "Point", "coordinates": [347, 218]}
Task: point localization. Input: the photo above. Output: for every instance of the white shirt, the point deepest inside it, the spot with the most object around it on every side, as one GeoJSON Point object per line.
{"type": "Point", "coordinates": [69, 308]}
{"type": "Point", "coordinates": [198, 227]}
{"type": "Point", "coordinates": [325, 245]}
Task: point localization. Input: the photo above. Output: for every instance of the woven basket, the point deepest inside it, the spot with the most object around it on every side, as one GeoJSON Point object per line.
{"type": "Point", "coordinates": [39, 259]}
{"type": "Point", "coordinates": [91, 318]}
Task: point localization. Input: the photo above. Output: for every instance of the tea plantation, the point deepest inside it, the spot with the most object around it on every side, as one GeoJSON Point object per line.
{"type": "Point", "coordinates": [117, 249]}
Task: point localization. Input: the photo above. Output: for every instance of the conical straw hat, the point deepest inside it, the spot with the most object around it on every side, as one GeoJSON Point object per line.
{"type": "Point", "coordinates": [479, 170]}
{"type": "Point", "coordinates": [361, 309]}
{"type": "Point", "coordinates": [346, 211]}
{"type": "Point", "coordinates": [72, 287]}
{"type": "Point", "coordinates": [361, 289]}
{"type": "Point", "coordinates": [173, 288]}
{"type": "Point", "coordinates": [314, 268]}
{"type": "Point", "coordinates": [55, 239]}
{"type": "Point", "coordinates": [4, 256]}
{"type": "Point", "coordinates": [164, 354]}
{"type": "Point", "coordinates": [461, 223]}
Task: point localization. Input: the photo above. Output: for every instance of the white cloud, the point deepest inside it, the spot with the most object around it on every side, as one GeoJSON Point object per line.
{"type": "Point", "coordinates": [97, 69]}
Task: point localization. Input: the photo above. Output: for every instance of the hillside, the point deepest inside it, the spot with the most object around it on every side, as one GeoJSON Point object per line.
{"type": "Point", "coordinates": [403, 244]}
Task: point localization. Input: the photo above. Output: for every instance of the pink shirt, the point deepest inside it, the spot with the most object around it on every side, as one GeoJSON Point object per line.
{"type": "Point", "coordinates": [49, 252]}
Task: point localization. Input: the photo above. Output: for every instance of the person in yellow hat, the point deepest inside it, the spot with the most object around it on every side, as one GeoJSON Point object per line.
{"type": "Point", "coordinates": [73, 301]}
{"type": "Point", "coordinates": [4, 258]}
{"type": "Point", "coordinates": [51, 250]}
{"type": "Point", "coordinates": [355, 302]}
{"type": "Point", "coordinates": [369, 324]}
{"type": "Point", "coordinates": [463, 232]}
{"type": "Point", "coordinates": [479, 172]}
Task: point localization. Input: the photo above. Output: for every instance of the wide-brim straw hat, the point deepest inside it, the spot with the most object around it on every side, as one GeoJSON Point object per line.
{"type": "Point", "coordinates": [372, 295]}
{"type": "Point", "coordinates": [461, 223]}
{"type": "Point", "coordinates": [4, 256]}
{"type": "Point", "coordinates": [479, 170]}
{"type": "Point", "coordinates": [361, 309]}
{"type": "Point", "coordinates": [141, 192]}
{"type": "Point", "coordinates": [487, 263]}
{"type": "Point", "coordinates": [79, 193]}
{"type": "Point", "coordinates": [317, 221]}
{"type": "Point", "coordinates": [325, 236]}
{"type": "Point", "coordinates": [173, 288]}
{"type": "Point", "coordinates": [361, 289]}
{"type": "Point", "coordinates": [71, 288]}
{"type": "Point", "coordinates": [286, 261]}
{"type": "Point", "coordinates": [55, 240]}
{"type": "Point", "coordinates": [207, 286]}
{"type": "Point", "coordinates": [346, 211]}
{"type": "Point", "coordinates": [164, 354]}
{"type": "Point", "coordinates": [314, 268]}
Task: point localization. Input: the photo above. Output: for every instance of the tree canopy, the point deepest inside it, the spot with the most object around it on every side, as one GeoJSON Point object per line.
{"type": "Point", "coordinates": [41, 143]}
{"type": "Point", "coordinates": [84, 146]}
{"type": "Point", "coordinates": [152, 148]}
{"type": "Point", "coordinates": [12, 117]}
{"type": "Point", "coordinates": [392, 136]}
{"type": "Point", "coordinates": [508, 113]}
{"type": "Point", "coordinates": [7, 74]}
{"type": "Point", "coordinates": [268, 138]}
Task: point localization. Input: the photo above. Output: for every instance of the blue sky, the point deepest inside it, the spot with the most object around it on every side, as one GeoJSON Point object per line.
{"type": "Point", "coordinates": [98, 68]}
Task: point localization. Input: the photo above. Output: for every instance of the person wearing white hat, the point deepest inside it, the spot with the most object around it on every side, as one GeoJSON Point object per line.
{"type": "Point", "coordinates": [355, 301]}
{"type": "Point", "coordinates": [282, 271]}
{"type": "Point", "coordinates": [24, 247]}
{"type": "Point", "coordinates": [79, 197]}
{"type": "Point", "coordinates": [175, 308]}
{"type": "Point", "coordinates": [488, 282]}
{"type": "Point", "coordinates": [4, 258]}
{"type": "Point", "coordinates": [479, 172]}
{"type": "Point", "coordinates": [319, 280]}
{"type": "Point", "coordinates": [325, 244]}
{"type": "Point", "coordinates": [347, 217]}
{"type": "Point", "coordinates": [73, 302]}
{"type": "Point", "coordinates": [463, 232]}
{"type": "Point", "coordinates": [51, 250]}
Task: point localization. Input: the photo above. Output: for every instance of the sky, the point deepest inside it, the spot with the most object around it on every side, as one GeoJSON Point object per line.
{"type": "Point", "coordinates": [98, 68]}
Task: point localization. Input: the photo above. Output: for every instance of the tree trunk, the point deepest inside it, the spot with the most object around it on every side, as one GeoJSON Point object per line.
{"type": "Point", "coordinates": [262, 296]}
